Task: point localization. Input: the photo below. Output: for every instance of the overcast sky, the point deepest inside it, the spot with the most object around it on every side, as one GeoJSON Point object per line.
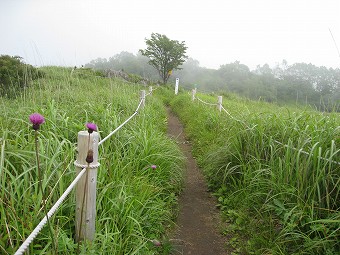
{"type": "Point", "coordinates": [216, 32]}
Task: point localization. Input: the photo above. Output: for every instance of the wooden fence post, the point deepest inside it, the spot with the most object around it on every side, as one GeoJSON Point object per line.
{"type": "Point", "coordinates": [142, 97]}
{"type": "Point", "coordinates": [176, 86]}
{"type": "Point", "coordinates": [86, 187]}
{"type": "Point", "coordinates": [194, 94]}
{"type": "Point", "coordinates": [150, 90]}
{"type": "Point", "coordinates": [219, 103]}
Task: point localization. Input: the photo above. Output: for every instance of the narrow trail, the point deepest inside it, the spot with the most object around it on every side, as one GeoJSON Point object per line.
{"type": "Point", "coordinates": [198, 221]}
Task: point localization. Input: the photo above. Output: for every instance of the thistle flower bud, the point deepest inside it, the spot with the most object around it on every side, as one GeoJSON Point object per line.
{"type": "Point", "coordinates": [89, 157]}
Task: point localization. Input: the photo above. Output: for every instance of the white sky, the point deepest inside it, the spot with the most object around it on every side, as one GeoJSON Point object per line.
{"type": "Point", "coordinates": [73, 32]}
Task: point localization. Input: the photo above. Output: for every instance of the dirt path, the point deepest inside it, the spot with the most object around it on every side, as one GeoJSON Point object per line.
{"type": "Point", "coordinates": [198, 222]}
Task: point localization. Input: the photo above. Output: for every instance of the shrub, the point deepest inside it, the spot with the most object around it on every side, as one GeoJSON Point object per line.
{"type": "Point", "coordinates": [15, 75]}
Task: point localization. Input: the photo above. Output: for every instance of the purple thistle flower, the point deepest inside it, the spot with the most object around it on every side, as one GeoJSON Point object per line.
{"type": "Point", "coordinates": [91, 127]}
{"type": "Point", "coordinates": [153, 167]}
{"type": "Point", "coordinates": [36, 119]}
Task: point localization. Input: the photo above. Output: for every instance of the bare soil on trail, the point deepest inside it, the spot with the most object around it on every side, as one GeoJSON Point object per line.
{"type": "Point", "coordinates": [198, 223]}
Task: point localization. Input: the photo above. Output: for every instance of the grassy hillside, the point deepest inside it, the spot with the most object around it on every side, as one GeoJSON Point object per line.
{"type": "Point", "coordinates": [135, 203]}
{"type": "Point", "coordinates": [274, 170]}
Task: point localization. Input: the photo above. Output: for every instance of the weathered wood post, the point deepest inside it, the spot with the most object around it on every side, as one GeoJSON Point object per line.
{"type": "Point", "coordinates": [176, 86]}
{"type": "Point", "coordinates": [150, 90]}
{"type": "Point", "coordinates": [142, 97]}
{"type": "Point", "coordinates": [194, 94]}
{"type": "Point", "coordinates": [219, 103]}
{"type": "Point", "coordinates": [86, 187]}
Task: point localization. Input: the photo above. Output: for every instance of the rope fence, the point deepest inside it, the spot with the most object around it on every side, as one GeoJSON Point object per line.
{"type": "Point", "coordinates": [50, 213]}
{"type": "Point", "coordinates": [221, 107]}
{"type": "Point", "coordinates": [231, 116]}
{"type": "Point", "coordinates": [123, 124]}
{"type": "Point", "coordinates": [211, 104]}
{"type": "Point", "coordinates": [84, 168]}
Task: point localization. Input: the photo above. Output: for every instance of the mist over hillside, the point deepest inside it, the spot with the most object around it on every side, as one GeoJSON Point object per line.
{"type": "Point", "coordinates": [298, 83]}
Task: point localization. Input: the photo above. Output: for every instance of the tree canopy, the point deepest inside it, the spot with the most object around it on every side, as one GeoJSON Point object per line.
{"type": "Point", "coordinates": [164, 54]}
{"type": "Point", "coordinates": [297, 83]}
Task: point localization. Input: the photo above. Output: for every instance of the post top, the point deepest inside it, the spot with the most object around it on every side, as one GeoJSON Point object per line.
{"type": "Point", "coordinates": [86, 133]}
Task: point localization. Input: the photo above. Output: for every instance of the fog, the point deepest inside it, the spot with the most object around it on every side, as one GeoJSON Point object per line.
{"type": "Point", "coordinates": [51, 32]}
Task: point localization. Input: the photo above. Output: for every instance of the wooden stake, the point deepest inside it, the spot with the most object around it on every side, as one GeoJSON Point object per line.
{"type": "Point", "coordinates": [142, 97]}
{"type": "Point", "coordinates": [86, 187]}
{"type": "Point", "coordinates": [176, 86]}
{"type": "Point", "coordinates": [219, 103]}
{"type": "Point", "coordinates": [194, 94]}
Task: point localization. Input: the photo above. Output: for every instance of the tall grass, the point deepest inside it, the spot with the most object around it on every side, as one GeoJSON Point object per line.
{"type": "Point", "coordinates": [136, 203]}
{"type": "Point", "coordinates": [274, 172]}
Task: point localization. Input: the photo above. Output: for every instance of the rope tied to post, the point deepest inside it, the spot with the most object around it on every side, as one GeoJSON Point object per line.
{"type": "Point", "coordinates": [91, 127]}
{"type": "Point", "coordinates": [86, 166]}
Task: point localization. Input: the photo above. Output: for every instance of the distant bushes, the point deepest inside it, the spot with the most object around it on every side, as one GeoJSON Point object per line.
{"type": "Point", "coordinates": [15, 75]}
{"type": "Point", "coordinates": [295, 84]}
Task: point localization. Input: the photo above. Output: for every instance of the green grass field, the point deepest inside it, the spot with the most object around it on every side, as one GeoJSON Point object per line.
{"type": "Point", "coordinates": [274, 169]}
{"type": "Point", "coordinates": [135, 203]}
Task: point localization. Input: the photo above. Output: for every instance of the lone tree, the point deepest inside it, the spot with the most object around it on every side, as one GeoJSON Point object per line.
{"type": "Point", "coordinates": [165, 55]}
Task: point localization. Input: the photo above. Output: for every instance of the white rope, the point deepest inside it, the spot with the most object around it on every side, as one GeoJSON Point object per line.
{"type": "Point", "coordinates": [121, 125]}
{"type": "Point", "coordinates": [139, 105]}
{"type": "Point", "coordinates": [114, 131]}
{"type": "Point", "coordinates": [152, 90]}
{"type": "Point", "coordinates": [226, 111]}
{"type": "Point", "coordinates": [234, 117]}
{"type": "Point", "coordinates": [206, 102]}
{"type": "Point", "coordinates": [195, 97]}
{"type": "Point", "coordinates": [300, 150]}
{"type": "Point", "coordinates": [42, 223]}
{"type": "Point", "coordinates": [92, 166]}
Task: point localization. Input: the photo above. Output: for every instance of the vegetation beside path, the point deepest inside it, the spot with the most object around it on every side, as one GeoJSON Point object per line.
{"type": "Point", "coordinates": [274, 170]}
{"type": "Point", "coordinates": [277, 198]}
{"type": "Point", "coordinates": [138, 180]}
